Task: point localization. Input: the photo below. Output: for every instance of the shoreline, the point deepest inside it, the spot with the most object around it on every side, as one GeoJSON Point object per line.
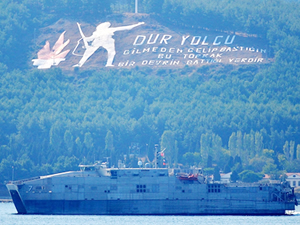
{"type": "Point", "coordinates": [5, 200]}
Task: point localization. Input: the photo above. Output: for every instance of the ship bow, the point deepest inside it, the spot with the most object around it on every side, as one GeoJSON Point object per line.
{"type": "Point", "coordinates": [16, 197]}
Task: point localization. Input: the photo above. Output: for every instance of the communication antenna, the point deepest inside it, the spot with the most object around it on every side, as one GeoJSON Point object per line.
{"type": "Point", "coordinates": [136, 6]}
{"type": "Point", "coordinates": [156, 155]}
{"type": "Point", "coordinates": [12, 173]}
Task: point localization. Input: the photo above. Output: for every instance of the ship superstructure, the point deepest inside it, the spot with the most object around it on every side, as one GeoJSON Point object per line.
{"type": "Point", "coordinates": [97, 190]}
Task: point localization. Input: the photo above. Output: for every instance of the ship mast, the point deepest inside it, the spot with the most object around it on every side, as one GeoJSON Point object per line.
{"type": "Point", "coordinates": [156, 156]}
{"type": "Point", "coordinates": [136, 6]}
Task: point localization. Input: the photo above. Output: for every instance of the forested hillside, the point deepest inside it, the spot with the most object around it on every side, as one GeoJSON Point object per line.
{"type": "Point", "coordinates": [233, 118]}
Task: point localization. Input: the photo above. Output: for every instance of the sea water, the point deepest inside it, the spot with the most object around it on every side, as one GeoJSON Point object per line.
{"type": "Point", "coordinates": [9, 216]}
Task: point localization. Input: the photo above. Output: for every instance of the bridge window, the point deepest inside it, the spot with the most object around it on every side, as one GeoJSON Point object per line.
{"type": "Point", "coordinates": [141, 188]}
{"type": "Point", "coordinates": [214, 188]}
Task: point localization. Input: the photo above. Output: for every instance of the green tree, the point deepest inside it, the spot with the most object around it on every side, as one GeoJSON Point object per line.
{"type": "Point", "coordinates": [204, 147]}
{"type": "Point", "coordinates": [109, 146]}
{"type": "Point", "coordinates": [56, 138]}
{"type": "Point", "coordinates": [239, 143]}
{"type": "Point", "coordinates": [188, 157]}
{"type": "Point", "coordinates": [252, 145]}
{"type": "Point", "coordinates": [89, 144]}
{"type": "Point", "coordinates": [192, 159]}
{"type": "Point", "coordinates": [298, 151]}
{"type": "Point", "coordinates": [168, 146]}
{"type": "Point", "coordinates": [217, 176]}
{"type": "Point", "coordinates": [249, 176]}
{"type": "Point", "coordinates": [258, 143]}
{"type": "Point", "coordinates": [176, 154]}
{"type": "Point", "coordinates": [68, 139]}
{"type": "Point", "coordinates": [292, 150]}
{"type": "Point", "coordinates": [79, 146]}
{"type": "Point", "coordinates": [270, 169]}
{"type": "Point", "coordinates": [229, 165]}
{"type": "Point", "coordinates": [209, 161]}
{"type": "Point", "coordinates": [286, 150]}
{"type": "Point", "coordinates": [234, 176]}
{"type": "Point", "coordinates": [217, 145]}
{"type": "Point", "coordinates": [232, 144]}
{"type": "Point", "coordinates": [268, 153]}
{"type": "Point", "coordinates": [246, 148]}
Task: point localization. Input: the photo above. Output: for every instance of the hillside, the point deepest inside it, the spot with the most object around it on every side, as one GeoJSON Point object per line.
{"type": "Point", "coordinates": [229, 115]}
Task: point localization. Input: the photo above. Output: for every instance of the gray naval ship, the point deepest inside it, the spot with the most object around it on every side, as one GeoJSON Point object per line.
{"type": "Point", "coordinates": [98, 190]}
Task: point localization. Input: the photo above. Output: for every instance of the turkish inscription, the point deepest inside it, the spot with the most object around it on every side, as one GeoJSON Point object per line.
{"type": "Point", "coordinates": [139, 45]}
{"type": "Point", "coordinates": [190, 50]}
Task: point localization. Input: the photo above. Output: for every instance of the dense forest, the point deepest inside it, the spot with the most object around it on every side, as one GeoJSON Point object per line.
{"type": "Point", "coordinates": [240, 119]}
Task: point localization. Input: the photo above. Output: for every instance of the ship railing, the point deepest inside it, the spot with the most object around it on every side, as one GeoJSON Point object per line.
{"type": "Point", "coordinates": [18, 182]}
{"type": "Point", "coordinates": [242, 184]}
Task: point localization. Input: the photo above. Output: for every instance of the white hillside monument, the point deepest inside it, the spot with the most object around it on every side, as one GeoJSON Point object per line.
{"type": "Point", "coordinates": [101, 37]}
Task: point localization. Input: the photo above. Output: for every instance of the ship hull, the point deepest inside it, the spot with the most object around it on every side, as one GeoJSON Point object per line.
{"type": "Point", "coordinates": [153, 207]}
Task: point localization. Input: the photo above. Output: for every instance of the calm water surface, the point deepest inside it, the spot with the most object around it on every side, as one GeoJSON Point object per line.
{"type": "Point", "coordinates": [8, 216]}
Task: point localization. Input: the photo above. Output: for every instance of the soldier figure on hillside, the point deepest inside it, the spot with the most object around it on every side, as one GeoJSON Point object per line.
{"type": "Point", "coordinates": [101, 37]}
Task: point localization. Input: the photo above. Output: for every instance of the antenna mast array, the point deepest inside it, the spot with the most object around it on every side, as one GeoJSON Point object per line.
{"type": "Point", "coordinates": [136, 6]}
